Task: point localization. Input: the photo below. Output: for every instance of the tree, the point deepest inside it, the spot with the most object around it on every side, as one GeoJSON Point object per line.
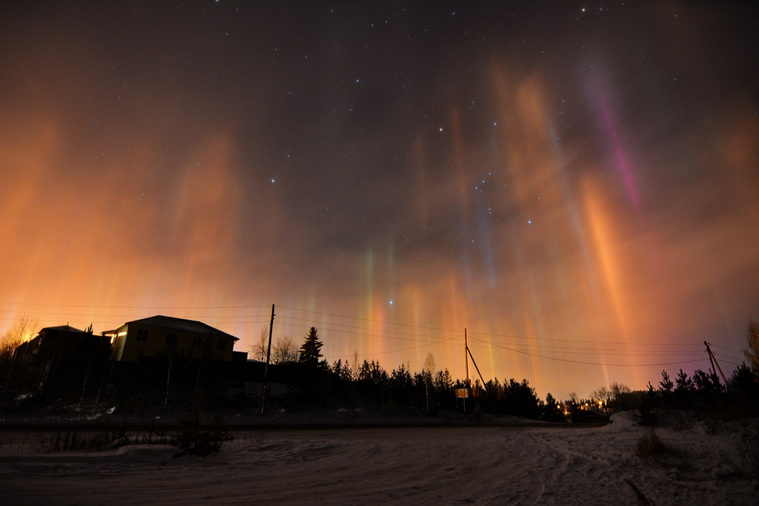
{"type": "Point", "coordinates": [665, 385]}
{"type": "Point", "coordinates": [284, 351]}
{"type": "Point", "coordinates": [552, 410]}
{"type": "Point", "coordinates": [683, 382]}
{"type": "Point", "coordinates": [618, 389]}
{"type": "Point", "coordinates": [602, 395]}
{"type": "Point", "coordinates": [427, 372]}
{"type": "Point", "coordinates": [342, 372]}
{"type": "Point", "coordinates": [744, 380]}
{"type": "Point", "coordinates": [310, 350]}
{"type": "Point", "coordinates": [706, 382]}
{"type": "Point", "coordinates": [443, 381]}
{"type": "Point", "coordinates": [22, 330]}
{"type": "Point", "coordinates": [260, 348]}
{"type": "Point", "coordinates": [752, 353]}
{"type": "Point", "coordinates": [429, 365]}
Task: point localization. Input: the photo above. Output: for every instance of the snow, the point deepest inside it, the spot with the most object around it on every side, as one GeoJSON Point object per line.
{"type": "Point", "coordinates": [710, 463]}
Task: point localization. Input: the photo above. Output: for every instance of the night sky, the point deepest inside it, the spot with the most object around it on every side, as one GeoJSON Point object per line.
{"type": "Point", "coordinates": [575, 183]}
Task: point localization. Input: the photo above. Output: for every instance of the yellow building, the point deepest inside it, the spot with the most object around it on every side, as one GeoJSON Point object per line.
{"type": "Point", "coordinates": [165, 335]}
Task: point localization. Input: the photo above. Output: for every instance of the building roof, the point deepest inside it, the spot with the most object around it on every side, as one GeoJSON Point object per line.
{"type": "Point", "coordinates": [62, 328]}
{"type": "Point", "coordinates": [180, 325]}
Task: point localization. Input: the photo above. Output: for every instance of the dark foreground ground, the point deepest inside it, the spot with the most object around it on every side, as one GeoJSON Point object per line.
{"type": "Point", "coordinates": [449, 464]}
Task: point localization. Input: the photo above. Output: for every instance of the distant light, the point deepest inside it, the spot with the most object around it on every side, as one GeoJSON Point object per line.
{"type": "Point", "coordinates": [273, 180]}
{"type": "Point", "coordinates": [529, 222]}
{"type": "Point", "coordinates": [391, 302]}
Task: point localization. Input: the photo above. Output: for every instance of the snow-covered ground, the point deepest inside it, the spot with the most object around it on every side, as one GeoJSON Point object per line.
{"type": "Point", "coordinates": [707, 464]}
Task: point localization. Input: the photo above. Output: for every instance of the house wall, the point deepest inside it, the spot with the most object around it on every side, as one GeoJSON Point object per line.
{"type": "Point", "coordinates": [133, 341]}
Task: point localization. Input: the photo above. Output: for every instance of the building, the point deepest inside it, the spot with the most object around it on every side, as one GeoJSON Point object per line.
{"type": "Point", "coordinates": [60, 356]}
{"type": "Point", "coordinates": [166, 335]}
{"type": "Point", "coordinates": [65, 342]}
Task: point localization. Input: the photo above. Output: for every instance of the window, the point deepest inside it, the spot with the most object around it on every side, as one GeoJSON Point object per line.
{"type": "Point", "coordinates": [142, 335]}
{"type": "Point", "coordinates": [221, 345]}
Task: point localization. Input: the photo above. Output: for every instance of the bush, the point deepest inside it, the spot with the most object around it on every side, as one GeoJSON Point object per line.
{"type": "Point", "coordinates": [651, 446]}
{"type": "Point", "coordinates": [202, 442]}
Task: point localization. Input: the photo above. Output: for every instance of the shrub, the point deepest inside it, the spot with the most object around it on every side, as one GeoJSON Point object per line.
{"type": "Point", "coordinates": [202, 442]}
{"type": "Point", "coordinates": [651, 446]}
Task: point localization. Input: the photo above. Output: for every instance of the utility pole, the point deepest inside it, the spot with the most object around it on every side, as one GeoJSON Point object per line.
{"type": "Point", "coordinates": [466, 357]}
{"type": "Point", "coordinates": [714, 362]}
{"type": "Point", "coordinates": [463, 393]}
{"type": "Point", "coordinates": [474, 362]}
{"type": "Point", "coordinates": [268, 358]}
{"type": "Point", "coordinates": [475, 366]}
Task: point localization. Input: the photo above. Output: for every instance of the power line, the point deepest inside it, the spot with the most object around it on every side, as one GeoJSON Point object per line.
{"type": "Point", "coordinates": [365, 331]}
{"type": "Point", "coordinates": [370, 320]}
{"type": "Point", "coordinates": [131, 307]}
{"type": "Point", "coordinates": [422, 345]}
{"type": "Point", "coordinates": [585, 351]}
{"type": "Point", "coordinates": [620, 343]}
{"type": "Point", "coordinates": [593, 363]}
{"type": "Point", "coordinates": [248, 318]}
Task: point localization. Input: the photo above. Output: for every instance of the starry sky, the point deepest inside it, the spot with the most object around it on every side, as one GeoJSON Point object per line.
{"type": "Point", "coordinates": [576, 184]}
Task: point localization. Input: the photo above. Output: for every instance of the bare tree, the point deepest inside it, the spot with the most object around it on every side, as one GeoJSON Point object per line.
{"type": "Point", "coordinates": [602, 395]}
{"type": "Point", "coordinates": [605, 396]}
{"type": "Point", "coordinates": [260, 348]}
{"type": "Point", "coordinates": [752, 353]}
{"type": "Point", "coordinates": [22, 330]}
{"type": "Point", "coordinates": [284, 351]}
{"type": "Point", "coordinates": [429, 364]}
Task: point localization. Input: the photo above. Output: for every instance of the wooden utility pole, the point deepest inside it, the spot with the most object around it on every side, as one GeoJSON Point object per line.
{"type": "Point", "coordinates": [714, 362]}
{"type": "Point", "coordinates": [466, 357]}
{"type": "Point", "coordinates": [475, 366]}
{"type": "Point", "coordinates": [268, 358]}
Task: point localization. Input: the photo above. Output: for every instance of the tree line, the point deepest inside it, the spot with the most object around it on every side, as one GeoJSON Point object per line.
{"type": "Point", "coordinates": [313, 383]}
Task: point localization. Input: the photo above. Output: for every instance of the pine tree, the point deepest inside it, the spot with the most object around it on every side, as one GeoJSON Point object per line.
{"type": "Point", "coordinates": [665, 385]}
{"type": "Point", "coordinates": [310, 351]}
{"type": "Point", "coordinates": [683, 383]}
